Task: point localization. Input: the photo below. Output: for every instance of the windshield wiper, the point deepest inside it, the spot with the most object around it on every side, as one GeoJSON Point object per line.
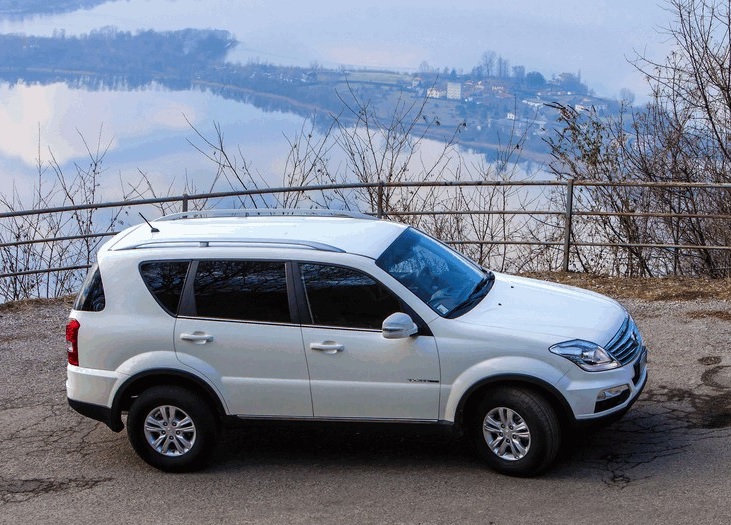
{"type": "Point", "coordinates": [480, 290]}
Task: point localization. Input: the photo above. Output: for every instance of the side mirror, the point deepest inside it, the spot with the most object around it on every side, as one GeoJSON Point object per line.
{"type": "Point", "coordinates": [399, 326]}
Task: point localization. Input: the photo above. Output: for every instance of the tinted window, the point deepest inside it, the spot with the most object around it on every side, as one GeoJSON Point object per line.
{"type": "Point", "coordinates": [165, 281]}
{"type": "Point", "coordinates": [345, 297]}
{"type": "Point", "coordinates": [242, 290]}
{"type": "Point", "coordinates": [91, 297]}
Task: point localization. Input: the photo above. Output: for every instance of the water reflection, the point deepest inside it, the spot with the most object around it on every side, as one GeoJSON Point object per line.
{"type": "Point", "coordinates": [329, 32]}
{"type": "Point", "coordinates": [146, 130]}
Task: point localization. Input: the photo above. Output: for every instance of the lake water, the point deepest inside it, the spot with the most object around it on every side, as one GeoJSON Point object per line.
{"type": "Point", "coordinates": [149, 130]}
{"type": "Point", "coordinates": [146, 130]}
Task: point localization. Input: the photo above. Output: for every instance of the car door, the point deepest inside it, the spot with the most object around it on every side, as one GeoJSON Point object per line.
{"type": "Point", "coordinates": [354, 371]}
{"type": "Point", "coordinates": [236, 328]}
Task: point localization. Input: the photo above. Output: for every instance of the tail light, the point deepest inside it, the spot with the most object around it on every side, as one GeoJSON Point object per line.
{"type": "Point", "coordinates": [72, 341]}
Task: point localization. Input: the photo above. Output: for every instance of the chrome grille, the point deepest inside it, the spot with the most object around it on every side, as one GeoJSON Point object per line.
{"type": "Point", "coordinates": [627, 342]}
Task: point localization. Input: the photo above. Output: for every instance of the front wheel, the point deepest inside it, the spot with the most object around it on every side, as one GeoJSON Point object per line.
{"type": "Point", "coordinates": [172, 429]}
{"type": "Point", "coordinates": [516, 431]}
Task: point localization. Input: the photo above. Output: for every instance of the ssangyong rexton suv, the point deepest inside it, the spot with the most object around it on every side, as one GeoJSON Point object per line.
{"type": "Point", "coordinates": [319, 315]}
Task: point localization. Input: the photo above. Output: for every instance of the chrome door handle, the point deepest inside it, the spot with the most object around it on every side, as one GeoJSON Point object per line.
{"type": "Point", "coordinates": [198, 338]}
{"type": "Point", "coordinates": [327, 347]}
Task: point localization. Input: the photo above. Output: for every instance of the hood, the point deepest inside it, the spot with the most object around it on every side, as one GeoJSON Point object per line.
{"type": "Point", "coordinates": [540, 307]}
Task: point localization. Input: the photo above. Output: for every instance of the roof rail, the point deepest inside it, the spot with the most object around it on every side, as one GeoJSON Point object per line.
{"type": "Point", "coordinates": [212, 243]}
{"type": "Point", "coordinates": [265, 212]}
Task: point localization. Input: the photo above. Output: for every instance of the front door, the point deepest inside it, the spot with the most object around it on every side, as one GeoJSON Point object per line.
{"type": "Point", "coordinates": [354, 371]}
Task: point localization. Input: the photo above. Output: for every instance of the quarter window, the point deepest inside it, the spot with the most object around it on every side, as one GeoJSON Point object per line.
{"type": "Point", "coordinates": [345, 297]}
{"type": "Point", "coordinates": [242, 290]}
{"type": "Point", "coordinates": [165, 281]}
{"type": "Point", "coordinates": [91, 297]}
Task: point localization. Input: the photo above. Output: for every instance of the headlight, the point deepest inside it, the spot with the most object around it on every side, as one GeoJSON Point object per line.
{"type": "Point", "coordinates": [589, 356]}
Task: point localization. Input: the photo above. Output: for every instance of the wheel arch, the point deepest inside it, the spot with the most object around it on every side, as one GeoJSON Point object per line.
{"type": "Point", "coordinates": [138, 383]}
{"type": "Point", "coordinates": [471, 398]}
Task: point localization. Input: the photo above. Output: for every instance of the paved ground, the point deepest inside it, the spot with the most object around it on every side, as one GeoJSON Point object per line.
{"type": "Point", "coordinates": [667, 462]}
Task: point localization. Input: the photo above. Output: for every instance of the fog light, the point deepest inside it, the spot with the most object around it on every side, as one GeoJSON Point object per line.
{"type": "Point", "coordinates": [611, 397]}
{"type": "Point", "coordinates": [610, 393]}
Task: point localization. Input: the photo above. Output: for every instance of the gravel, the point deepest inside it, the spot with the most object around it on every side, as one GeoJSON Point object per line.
{"type": "Point", "coordinates": [665, 462]}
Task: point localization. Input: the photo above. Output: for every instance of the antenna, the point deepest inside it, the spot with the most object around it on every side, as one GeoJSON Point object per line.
{"type": "Point", "coordinates": [152, 228]}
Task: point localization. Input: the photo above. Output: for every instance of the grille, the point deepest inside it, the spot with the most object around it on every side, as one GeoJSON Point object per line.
{"type": "Point", "coordinates": [627, 342]}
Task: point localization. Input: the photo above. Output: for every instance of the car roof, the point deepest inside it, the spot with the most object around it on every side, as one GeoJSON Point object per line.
{"type": "Point", "coordinates": [327, 230]}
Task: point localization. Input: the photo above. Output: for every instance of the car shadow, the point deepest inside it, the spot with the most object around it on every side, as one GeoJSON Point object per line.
{"type": "Point", "coordinates": [645, 438]}
{"type": "Point", "coordinates": [335, 444]}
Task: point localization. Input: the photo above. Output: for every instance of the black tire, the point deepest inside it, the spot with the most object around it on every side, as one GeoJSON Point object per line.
{"type": "Point", "coordinates": [183, 449]}
{"type": "Point", "coordinates": [536, 432]}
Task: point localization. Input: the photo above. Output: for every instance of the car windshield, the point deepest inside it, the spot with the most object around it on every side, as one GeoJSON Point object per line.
{"type": "Point", "coordinates": [445, 280]}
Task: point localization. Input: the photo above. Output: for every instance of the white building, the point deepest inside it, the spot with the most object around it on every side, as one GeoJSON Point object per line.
{"type": "Point", "coordinates": [454, 90]}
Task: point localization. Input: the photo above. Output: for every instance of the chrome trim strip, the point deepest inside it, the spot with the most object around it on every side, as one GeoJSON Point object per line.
{"type": "Point", "coordinates": [626, 343]}
{"type": "Point", "coordinates": [218, 243]}
{"type": "Point", "coordinates": [332, 419]}
{"type": "Point", "coordinates": [238, 321]}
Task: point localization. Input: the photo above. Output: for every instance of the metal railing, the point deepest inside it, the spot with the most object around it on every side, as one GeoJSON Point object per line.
{"type": "Point", "coordinates": [569, 213]}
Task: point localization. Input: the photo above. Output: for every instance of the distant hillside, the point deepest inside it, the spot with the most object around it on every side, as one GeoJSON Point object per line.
{"type": "Point", "coordinates": [31, 7]}
{"type": "Point", "coordinates": [489, 111]}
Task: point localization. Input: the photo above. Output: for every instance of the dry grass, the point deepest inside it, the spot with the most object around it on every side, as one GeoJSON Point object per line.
{"type": "Point", "coordinates": [650, 289]}
{"type": "Point", "coordinates": [16, 306]}
{"type": "Point", "coordinates": [723, 315]}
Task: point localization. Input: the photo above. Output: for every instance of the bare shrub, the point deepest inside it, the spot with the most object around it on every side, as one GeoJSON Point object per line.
{"type": "Point", "coordinates": [678, 145]}
{"type": "Point", "coordinates": [25, 248]}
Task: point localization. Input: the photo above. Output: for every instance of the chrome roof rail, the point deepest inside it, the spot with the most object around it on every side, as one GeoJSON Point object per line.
{"type": "Point", "coordinates": [265, 212]}
{"type": "Point", "coordinates": [215, 243]}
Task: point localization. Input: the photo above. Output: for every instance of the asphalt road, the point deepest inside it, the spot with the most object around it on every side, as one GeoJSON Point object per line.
{"type": "Point", "coordinates": [667, 461]}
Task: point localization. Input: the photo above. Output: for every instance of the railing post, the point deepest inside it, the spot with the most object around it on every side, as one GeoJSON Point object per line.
{"type": "Point", "coordinates": [185, 202]}
{"type": "Point", "coordinates": [567, 223]}
{"type": "Point", "coordinates": [379, 211]}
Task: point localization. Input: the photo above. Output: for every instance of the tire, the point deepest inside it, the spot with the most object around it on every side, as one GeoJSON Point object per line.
{"type": "Point", "coordinates": [536, 432]}
{"type": "Point", "coordinates": [154, 415]}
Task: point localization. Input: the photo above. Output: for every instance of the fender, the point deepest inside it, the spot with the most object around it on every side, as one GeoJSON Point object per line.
{"type": "Point", "coordinates": [148, 366]}
{"type": "Point", "coordinates": [168, 360]}
{"type": "Point", "coordinates": [148, 360]}
{"type": "Point", "coordinates": [513, 368]}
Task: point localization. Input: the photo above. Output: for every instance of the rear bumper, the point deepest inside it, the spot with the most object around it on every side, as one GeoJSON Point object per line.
{"type": "Point", "coordinates": [98, 413]}
{"type": "Point", "coordinates": [89, 392]}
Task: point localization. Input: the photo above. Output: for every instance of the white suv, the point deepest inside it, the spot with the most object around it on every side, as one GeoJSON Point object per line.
{"type": "Point", "coordinates": [321, 315]}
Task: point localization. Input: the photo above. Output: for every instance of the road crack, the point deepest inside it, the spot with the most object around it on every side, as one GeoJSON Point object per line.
{"type": "Point", "coordinates": [22, 490]}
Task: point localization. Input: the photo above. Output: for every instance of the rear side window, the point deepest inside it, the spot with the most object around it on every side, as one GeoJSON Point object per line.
{"type": "Point", "coordinates": [91, 297]}
{"type": "Point", "coordinates": [165, 281]}
{"type": "Point", "coordinates": [242, 290]}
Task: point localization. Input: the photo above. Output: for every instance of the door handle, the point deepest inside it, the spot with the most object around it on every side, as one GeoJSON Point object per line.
{"type": "Point", "coordinates": [327, 347]}
{"type": "Point", "coordinates": [198, 338]}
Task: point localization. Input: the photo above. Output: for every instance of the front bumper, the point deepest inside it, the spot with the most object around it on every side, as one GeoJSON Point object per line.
{"type": "Point", "coordinates": [583, 390]}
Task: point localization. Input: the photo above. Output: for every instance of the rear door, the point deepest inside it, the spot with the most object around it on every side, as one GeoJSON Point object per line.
{"type": "Point", "coordinates": [236, 327]}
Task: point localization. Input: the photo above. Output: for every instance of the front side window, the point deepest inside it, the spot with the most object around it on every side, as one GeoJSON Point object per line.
{"type": "Point", "coordinates": [345, 297]}
{"type": "Point", "coordinates": [165, 281]}
{"type": "Point", "coordinates": [242, 290]}
{"type": "Point", "coordinates": [445, 280]}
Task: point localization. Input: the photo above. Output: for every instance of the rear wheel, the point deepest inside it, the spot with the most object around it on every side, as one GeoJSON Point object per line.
{"type": "Point", "coordinates": [516, 431]}
{"type": "Point", "coordinates": [172, 429]}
